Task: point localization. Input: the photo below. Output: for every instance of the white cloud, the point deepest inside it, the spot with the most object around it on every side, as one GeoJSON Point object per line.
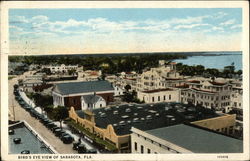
{"type": "Point", "coordinates": [219, 15]}
{"type": "Point", "coordinates": [215, 28]}
{"type": "Point", "coordinates": [39, 19]}
{"type": "Point", "coordinates": [236, 26]}
{"type": "Point", "coordinates": [18, 19]}
{"type": "Point", "coordinates": [229, 22]}
{"type": "Point", "coordinates": [16, 28]}
{"type": "Point", "coordinates": [190, 26]}
{"type": "Point", "coordinates": [188, 20]}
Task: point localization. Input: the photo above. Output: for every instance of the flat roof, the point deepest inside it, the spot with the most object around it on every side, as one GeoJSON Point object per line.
{"type": "Point", "coordinates": [147, 116]}
{"type": "Point", "coordinates": [28, 142]}
{"type": "Point", "coordinates": [198, 140]}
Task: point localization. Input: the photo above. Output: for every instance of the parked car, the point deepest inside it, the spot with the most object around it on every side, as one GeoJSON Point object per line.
{"type": "Point", "coordinates": [59, 132]}
{"type": "Point", "coordinates": [75, 145]}
{"type": "Point", "coordinates": [50, 125]}
{"type": "Point", "coordinates": [55, 128]}
{"type": "Point", "coordinates": [67, 139]}
{"type": "Point", "coordinates": [81, 149]}
{"type": "Point", "coordinates": [92, 151]}
{"type": "Point", "coordinates": [63, 134]}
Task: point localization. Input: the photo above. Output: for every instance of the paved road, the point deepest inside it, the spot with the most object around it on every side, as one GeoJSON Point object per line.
{"type": "Point", "coordinates": [21, 114]}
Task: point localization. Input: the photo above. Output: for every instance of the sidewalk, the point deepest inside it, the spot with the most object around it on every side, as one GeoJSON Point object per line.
{"type": "Point", "coordinates": [64, 126]}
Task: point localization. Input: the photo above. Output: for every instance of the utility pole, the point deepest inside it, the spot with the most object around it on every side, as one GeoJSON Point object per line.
{"type": "Point", "coordinates": [13, 111]}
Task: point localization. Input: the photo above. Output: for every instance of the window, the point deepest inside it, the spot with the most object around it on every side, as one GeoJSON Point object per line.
{"type": "Point", "coordinates": [149, 151]}
{"type": "Point", "coordinates": [159, 98]}
{"type": "Point", "coordinates": [164, 97]}
{"type": "Point", "coordinates": [153, 99]}
{"type": "Point", "coordinates": [100, 105]}
{"type": "Point", "coordinates": [135, 146]}
{"type": "Point", "coordinates": [169, 97]}
{"type": "Point", "coordinates": [142, 149]}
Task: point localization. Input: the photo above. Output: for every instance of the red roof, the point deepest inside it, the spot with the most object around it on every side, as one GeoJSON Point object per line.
{"type": "Point", "coordinates": [194, 81]}
{"type": "Point", "coordinates": [133, 79]}
{"type": "Point", "coordinates": [183, 86]}
{"type": "Point", "coordinates": [217, 83]}
{"type": "Point", "coordinates": [157, 90]}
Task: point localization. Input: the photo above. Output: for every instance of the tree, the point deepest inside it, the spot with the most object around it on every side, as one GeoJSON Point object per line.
{"type": "Point", "coordinates": [60, 113]}
{"type": "Point", "coordinates": [127, 87]}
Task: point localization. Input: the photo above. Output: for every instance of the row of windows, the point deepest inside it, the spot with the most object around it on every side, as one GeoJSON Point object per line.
{"type": "Point", "coordinates": [142, 149]}
{"type": "Point", "coordinates": [159, 98]}
{"type": "Point", "coordinates": [152, 142]}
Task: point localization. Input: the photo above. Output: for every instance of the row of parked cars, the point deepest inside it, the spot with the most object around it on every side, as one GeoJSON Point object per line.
{"type": "Point", "coordinates": [59, 132]}
{"type": "Point", "coordinates": [81, 148]}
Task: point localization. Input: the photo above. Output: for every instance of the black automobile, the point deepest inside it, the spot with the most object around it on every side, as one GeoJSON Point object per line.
{"type": "Point", "coordinates": [55, 128]}
{"type": "Point", "coordinates": [81, 149]}
{"type": "Point", "coordinates": [63, 133]}
{"type": "Point", "coordinates": [46, 121]}
{"type": "Point", "coordinates": [33, 112]}
{"type": "Point", "coordinates": [75, 145]}
{"type": "Point", "coordinates": [51, 125]}
{"type": "Point", "coordinates": [59, 132]}
{"type": "Point", "coordinates": [25, 152]}
{"type": "Point", "coordinates": [67, 139]}
{"type": "Point", "coordinates": [92, 151]}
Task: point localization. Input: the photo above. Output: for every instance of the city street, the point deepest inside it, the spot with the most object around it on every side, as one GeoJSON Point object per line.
{"type": "Point", "coordinates": [21, 114]}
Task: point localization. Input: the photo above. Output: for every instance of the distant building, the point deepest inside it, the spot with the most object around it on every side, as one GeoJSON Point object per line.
{"type": "Point", "coordinates": [90, 75]}
{"type": "Point", "coordinates": [210, 94]}
{"type": "Point", "coordinates": [61, 68]}
{"type": "Point", "coordinates": [28, 84]}
{"type": "Point", "coordinates": [160, 77]}
{"type": "Point", "coordinates": [159, 95]}
{"type": "Point", "coordinates": [76, 94]}
{"type": "Point", "coordinates": [236, 95]}
{"type": "Point", "coordinates": [182, 139]}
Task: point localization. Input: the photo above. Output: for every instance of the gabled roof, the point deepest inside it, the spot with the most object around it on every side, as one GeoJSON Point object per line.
{"type": "Point", "coordinates": [92, 99]}
{"type": "Point", "coordinates": [83, 87]}
{"type": "Point", "coordinates": [198, 140]}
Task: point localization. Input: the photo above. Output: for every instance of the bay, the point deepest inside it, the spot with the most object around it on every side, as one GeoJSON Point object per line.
{"type": "Point", "coordinates": [217, 61]}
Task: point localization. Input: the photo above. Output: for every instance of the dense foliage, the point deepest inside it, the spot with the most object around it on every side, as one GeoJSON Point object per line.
{"type": "Point", "coordinates": [199, 70]}
{"type": "Point", "coordinates": [108, 64]}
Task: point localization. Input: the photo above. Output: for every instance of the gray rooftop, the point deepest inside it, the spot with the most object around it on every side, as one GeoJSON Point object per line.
{"type": "Point", "coordinates": [28, 141]}
{"type": "Point", "coordinates": [198, 140]}
{"type": "Point", "coordinates": [82, 87]}
{"type": "Point", "coordinates": [147, 116]}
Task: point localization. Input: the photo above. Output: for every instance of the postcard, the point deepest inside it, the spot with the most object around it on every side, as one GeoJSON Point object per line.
{"type": "Point", "coordinates": [124, 80]}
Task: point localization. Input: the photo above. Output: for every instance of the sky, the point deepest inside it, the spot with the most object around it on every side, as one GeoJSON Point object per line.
{"type": "Point", "coordinates": [124, 30]}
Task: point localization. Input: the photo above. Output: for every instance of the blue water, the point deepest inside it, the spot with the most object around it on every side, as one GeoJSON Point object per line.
{"type": "Point", "coordinates": [218, 62]}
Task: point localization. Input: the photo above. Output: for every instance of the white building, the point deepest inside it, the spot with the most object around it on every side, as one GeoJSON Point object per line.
{"type": "Point", "coordinates": [28, 84]}
{"type": "Point", "coordinates": [236, 95]}
{"type": "Point", "coordinates": [89, 75]}
{"type": "Point", "coordinates": [159, 95]}
{"type": "Point", "coordinates": [92, 102]}
{"type": "Point", "coordinates": [182, 139]}
{"type": "Point", "coordinates": [207, 93]}
{"type": "Point", "coordinates": [61, 68]}
{"type": "Point", "coordinates": [160, 77]}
